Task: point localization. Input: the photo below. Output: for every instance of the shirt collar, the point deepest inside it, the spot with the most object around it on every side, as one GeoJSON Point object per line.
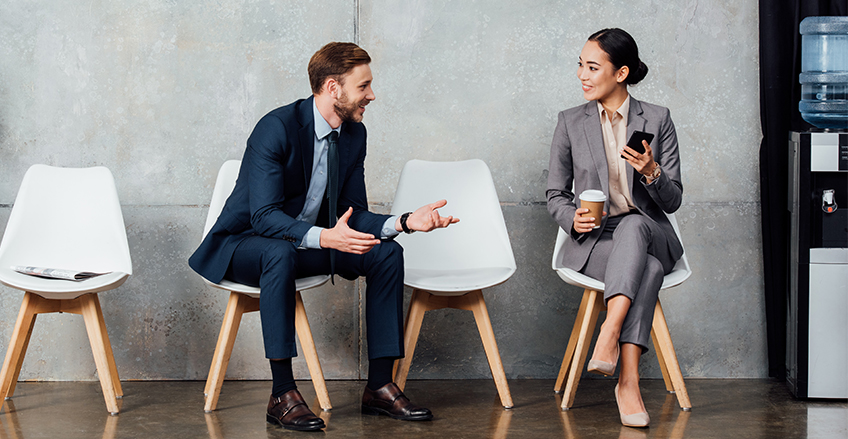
{"type": "Point", "coordinates": [623, 110]}
{"type": "Point", "coordinates": [322, 128]}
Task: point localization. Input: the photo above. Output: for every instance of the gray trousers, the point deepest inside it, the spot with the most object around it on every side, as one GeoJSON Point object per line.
{"type": "Point", "coordinates": [631, 257]}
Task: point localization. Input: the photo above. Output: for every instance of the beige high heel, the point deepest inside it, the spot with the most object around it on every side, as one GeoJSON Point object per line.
{"type": "Point", "coordinates": [602, 367]}
{"type": "Point", "coordinates": [638, 420]}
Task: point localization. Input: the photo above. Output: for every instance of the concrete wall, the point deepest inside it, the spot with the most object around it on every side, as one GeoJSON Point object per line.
{"type": "Point", "coordinates": [163, 92]}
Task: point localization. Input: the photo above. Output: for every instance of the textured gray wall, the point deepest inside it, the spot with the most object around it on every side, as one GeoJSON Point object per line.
{"type": "Point", "coordinates": [162, 93]}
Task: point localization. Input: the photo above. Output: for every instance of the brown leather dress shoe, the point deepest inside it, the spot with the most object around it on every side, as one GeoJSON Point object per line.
{"type": "Point", "coordinates": [390, 401]}
{"type": "Point", "coordinates": [290, 411]}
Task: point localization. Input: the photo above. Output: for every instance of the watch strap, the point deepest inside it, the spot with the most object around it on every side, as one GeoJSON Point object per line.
{"type": "Point", "coordinates": [403, 225]}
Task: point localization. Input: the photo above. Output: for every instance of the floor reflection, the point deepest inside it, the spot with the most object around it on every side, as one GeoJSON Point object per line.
{"type": "Point", "coordinates": [10, 425]}
{"type": "Point", "coordinates": [213, 426]}
{"type": "Point", "coordinates": [500, 420]}
{"type": "Point", "coordinates": [9, 422]}
{"type": "Point", "coordinates": [761, 409]}
{"type": "Point", "coordinates": [669, 423]}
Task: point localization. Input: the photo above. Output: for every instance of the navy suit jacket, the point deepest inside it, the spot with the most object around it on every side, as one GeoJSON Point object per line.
{"type": "Point", "coordinates": [578, 159]}
{"type": "Point", "coordinates": [271, 188]}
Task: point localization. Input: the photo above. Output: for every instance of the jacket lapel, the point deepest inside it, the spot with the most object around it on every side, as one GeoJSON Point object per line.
{"type": "Point", "coordinates": [595, 141]}
{"type": "Point", "coordinates": [306, 137]}
{"type": "Point", "coordinates": [635, 122]}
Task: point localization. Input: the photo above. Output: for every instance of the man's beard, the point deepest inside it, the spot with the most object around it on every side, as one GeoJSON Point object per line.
{"type": "Point", "coordinates": [346, 110]}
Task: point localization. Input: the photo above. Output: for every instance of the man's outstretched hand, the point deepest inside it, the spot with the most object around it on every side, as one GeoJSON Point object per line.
{"type": "Point", "coordinates": [427, 218]}
{"type": "Point", "coordinates": [343, 238]}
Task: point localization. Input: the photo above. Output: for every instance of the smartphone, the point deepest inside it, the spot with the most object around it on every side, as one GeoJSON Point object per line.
{"type": "Point", "coordinates": [636, 139]}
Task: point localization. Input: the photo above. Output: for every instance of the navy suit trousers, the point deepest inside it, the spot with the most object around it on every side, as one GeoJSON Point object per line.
{"type": "Point", "coordinates": [274, 264]}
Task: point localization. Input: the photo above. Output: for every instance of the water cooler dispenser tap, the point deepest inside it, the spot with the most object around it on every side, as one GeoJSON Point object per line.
{"type": "Point", "coordinates": [828, 203]}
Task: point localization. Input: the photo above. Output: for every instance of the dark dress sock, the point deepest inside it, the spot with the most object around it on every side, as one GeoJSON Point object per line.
{"type": "Point", "coordinates": [281, 373]}
{"type": "Point", "coordinates": [380, 372]}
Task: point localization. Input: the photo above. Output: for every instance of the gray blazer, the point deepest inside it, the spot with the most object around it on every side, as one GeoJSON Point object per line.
{"type": "Point", "coordinates": [578, 159]}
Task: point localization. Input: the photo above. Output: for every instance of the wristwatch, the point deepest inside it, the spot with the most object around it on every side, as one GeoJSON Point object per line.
{"type": "Point", "coordinates": [655, 174]}
{"type": "Point", "coordinates": [403, 225]}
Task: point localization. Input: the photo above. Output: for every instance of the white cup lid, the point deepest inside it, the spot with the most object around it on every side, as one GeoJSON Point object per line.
{"type": "Point", "coordinates": [593, 195]}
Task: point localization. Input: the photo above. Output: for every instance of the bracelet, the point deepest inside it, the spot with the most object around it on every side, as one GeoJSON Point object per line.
{"type": "Point", "coordinates": [403, 225]}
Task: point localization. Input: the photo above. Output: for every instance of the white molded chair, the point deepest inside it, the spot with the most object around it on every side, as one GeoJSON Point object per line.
{"type": "Point", "coordinates": [587, 317]}
{"type": "Point", "coordinates": [244, 299]}
{"type": "Point", "coordinates": [66, 218]}
{"type": "Point", "coordinates": [448, 268]}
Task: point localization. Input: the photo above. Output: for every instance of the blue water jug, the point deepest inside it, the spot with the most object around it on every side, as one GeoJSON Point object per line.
{"type": "Point", "coordinates": [824, 72]}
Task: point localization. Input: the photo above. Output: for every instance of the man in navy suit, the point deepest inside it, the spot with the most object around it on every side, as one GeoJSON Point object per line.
{"type": "Point", "coordinates": [276, 227]}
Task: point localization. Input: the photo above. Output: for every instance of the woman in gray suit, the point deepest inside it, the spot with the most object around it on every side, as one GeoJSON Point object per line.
{"type": "Point", "coordinates": [635, 246]}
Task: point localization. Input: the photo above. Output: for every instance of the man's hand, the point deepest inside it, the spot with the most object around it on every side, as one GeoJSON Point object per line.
{"type": "Point", "coordinates": [343, 238]}
{"type": "Point", "coordinates": [427, 218]}
{"type": "Point", "coordinates": [583, 224]}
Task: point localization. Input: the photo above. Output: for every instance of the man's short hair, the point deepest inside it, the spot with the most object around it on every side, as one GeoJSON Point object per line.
{"type": "Point", "coordinates": [335, 60]}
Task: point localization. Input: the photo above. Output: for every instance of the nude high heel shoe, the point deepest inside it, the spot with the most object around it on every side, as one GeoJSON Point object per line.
{"type": "Point", "coordinates": [602, 367]}
{"type": "Point", "coordinates": [636, 419]}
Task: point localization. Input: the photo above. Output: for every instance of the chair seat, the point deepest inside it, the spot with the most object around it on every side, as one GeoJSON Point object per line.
{"type": "Point", "coordinates": [58, 288]}
{"type": "Point", "coordinates": [300, 285]}
{"type": "Point", "coordinates": [676, 277]}
{"type": "Point", "coordinates": [456, 282]}
{"type": "Point", "coordinates": [580, 279]}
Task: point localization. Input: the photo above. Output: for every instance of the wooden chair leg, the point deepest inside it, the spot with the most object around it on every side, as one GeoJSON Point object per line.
{"type": "Point", "coordinates": [665, 350]}
{"type": "Point", "coordinates": [17, 346]}
{"type": "Point", "coordinates": [224, 348]}
{"type": "Point", "coordinates": [110, 356]}
{"type": "Point", "coordinates": [97, 338]}
{"type": "Point", "coordinates": [307, 343]}
{"type": "Point", "coordinates": [572, 345]}
{"type": "Point", "coordinates": [669, 386]}
{"type": "Point", "coordinates": [474, 302]}
{"type": "Point", "coordinates": [595, 303]}
{"type": "Point", "coordinates": [418, 305]}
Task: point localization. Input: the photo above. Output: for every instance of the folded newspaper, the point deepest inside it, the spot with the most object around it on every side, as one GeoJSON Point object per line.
{"type": "Point", "coordinates": [56, 273]}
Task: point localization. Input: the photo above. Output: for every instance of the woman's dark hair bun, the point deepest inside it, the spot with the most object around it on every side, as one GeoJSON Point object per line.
{"type": "Point", "coordinates": [622, 50]}
{"type": "Point", "coordinates": [635, 76]}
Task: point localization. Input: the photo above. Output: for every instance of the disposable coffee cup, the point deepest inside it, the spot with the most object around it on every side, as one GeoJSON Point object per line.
{"type": "Point", "coordinates": [593, 200]}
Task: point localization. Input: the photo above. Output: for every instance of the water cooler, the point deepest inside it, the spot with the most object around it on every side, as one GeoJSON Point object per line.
{"type": "Point", "coordinates": [817, 338]}
{"type": "Point", "coordinates": [817, 351]}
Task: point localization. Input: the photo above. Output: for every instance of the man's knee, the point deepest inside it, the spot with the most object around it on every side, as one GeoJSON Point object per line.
{"type": "Point", "coordinates": [277, 253]}
{"type": "Point", "coordinates": [386, 254]}
{"type": "Point", "coordinates": [391, 251]}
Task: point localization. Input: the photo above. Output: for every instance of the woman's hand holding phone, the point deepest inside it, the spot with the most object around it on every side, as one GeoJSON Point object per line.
{"type": "Point", "coordinates": [642, 161]}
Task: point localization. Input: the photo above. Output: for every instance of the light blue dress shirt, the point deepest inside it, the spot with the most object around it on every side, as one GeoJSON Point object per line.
{"type": "Point", "coordinates": [318, 185]}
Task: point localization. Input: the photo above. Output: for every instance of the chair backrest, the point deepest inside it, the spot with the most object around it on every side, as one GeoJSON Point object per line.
{"type": "Point", "coordinates": [479, 240]}
{"type": "Point", "coordinates": [67, 218]}
{"type": "Point", "coordinates": [224, 186]}
{"type": "Point", "coordinates": [683, 262]}
{"type": "Point", "coordinates": [681, 268]}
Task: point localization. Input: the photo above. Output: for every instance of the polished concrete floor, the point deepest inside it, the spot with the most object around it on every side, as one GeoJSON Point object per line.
{"type": "Point", "coordinates": [463, 409]}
